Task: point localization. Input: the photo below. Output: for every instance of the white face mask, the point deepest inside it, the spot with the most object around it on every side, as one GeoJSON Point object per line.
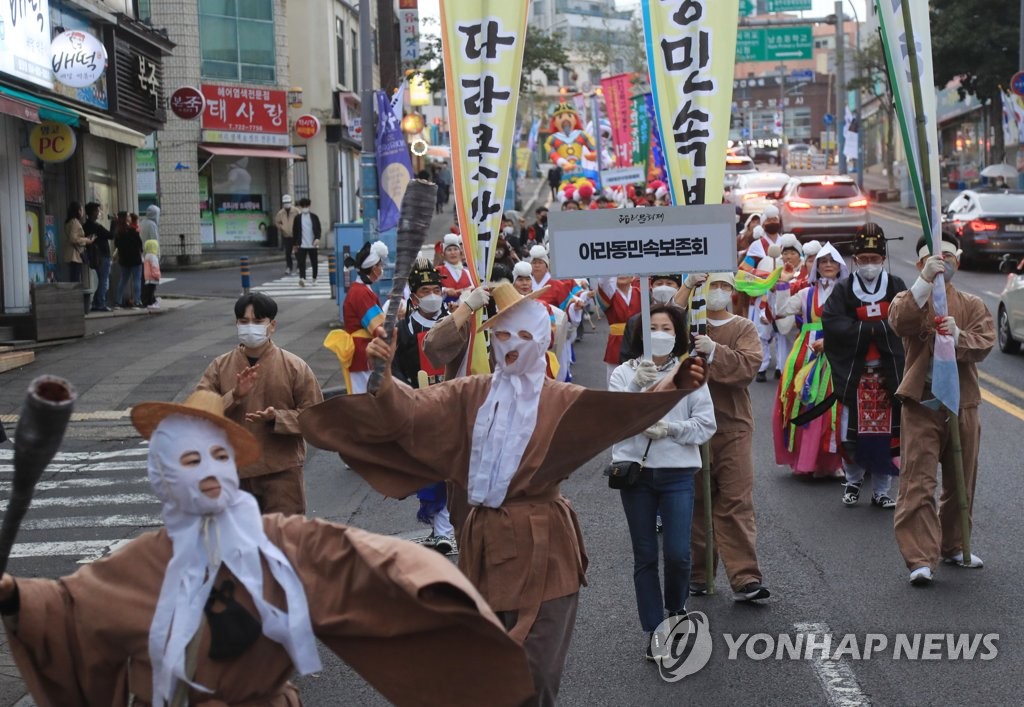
{"type": "Point", "coordinates": [253, 336]}
{"type": "Point", "coordinates": [430, 304]}
{"type": "Point", "coordinates": [529, 351]}
{"type": "Point", "coordinates": [305, 209]}
{"type": "Point", "coordinates": [177, 484]}
{"type": "Point", "coordinates": [662, 343]}
{"type": "Point", "coordinates": [508, 230]}
{"type": "Point", "coordinates": [663, 294]}
{"type": "Point", "coordinates": [870, 272]}
{"type": "Point", "coordinates": [718, 300]}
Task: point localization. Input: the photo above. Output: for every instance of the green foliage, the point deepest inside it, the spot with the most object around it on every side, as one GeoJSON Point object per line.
{"type": "Point", "coordinates": [976, 40]}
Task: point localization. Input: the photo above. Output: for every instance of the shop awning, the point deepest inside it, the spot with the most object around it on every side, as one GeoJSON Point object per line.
{"type": "Point", "coordinates": [19, 109]}
{"type": "Point", "coordinates": [109, 130]}
{"type": "Point", "coordinates": [47, 110]}
{"type": "Point", "coordinates": [224, 151]}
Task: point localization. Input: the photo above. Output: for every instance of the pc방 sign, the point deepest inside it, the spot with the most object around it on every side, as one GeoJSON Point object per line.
{"type": "Point", "coordinates": [78, 58]}
{"type": "Point", "coordinates": [610, 242]}
{"type": "Point", "coordinates": [52, 142]}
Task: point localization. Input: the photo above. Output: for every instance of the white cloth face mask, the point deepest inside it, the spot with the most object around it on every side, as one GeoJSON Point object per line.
{"type": "Point", "coordinates": [662, 343]}
{"type": "Point", "coordinates": [870, 272]}
{"type": "Point", "coordinates": [663, 294]}
{"type": "Point", "coordinates": [177, 483]}
{"type": "Point", "coordinates": [252, 335]}
{"type": "Point", "coordinates": [718, 300]}
{"type": "Point", "coordinates": [430, 304]}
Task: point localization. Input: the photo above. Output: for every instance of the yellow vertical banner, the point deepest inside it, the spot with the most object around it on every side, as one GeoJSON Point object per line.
{"type": "Point", "coordinates": [483, 44]}
{"type": "Point", "coordinates": [691, 54]}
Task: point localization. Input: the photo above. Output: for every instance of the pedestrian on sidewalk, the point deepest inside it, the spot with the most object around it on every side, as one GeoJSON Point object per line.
{"type": "Point", "coordinates": [306, 229]}
{"type": "Point", "coordinates": [925, 534]}
{"type": "Point", "coordinates": [283, 220]}
{"type": "Point", "coordinates": [554, 180]}
{"type": "Point", "coordinates": [75, 242]}
{"type": "Point", "coordinates": [255, 592]}
{"type": "Point", "coordinates": [101, 261]}
{"type": "Point", "coordinates": [150, 273]}
{"type": "Point", "coordinates": [668, 453]}
{"type": "Point", "coordinates": [264, 389]}
{"type": "Point", "coordinates": [128, 244]}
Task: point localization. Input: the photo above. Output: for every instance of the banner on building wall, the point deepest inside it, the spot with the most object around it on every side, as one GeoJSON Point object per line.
{"type": "Point", "coordinates": [640, 126]}
{"type": "Point", "coordinates": [145, 172]}
{"type": "Point", "coordinates": [239, 217]}
{"type": "Point", "coordinates": [483, 56]}
{"type": "Point", "coordinates": [656, 160]}
{"type": "Point", "coordinates": [243, 115]}
{"type": "Point", "coordinates": [691, 53]}
{"type": "Point", "coordinates": [409, 31]}
{"type": "Point", "coordinates": [617, 91]}
{"type": "Point", "coordinates": [25, 30]}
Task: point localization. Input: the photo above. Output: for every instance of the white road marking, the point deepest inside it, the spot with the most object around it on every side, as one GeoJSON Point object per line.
{"type": "Point", "coordinates": [993, 295]}
{"type": "Point", "coordinates": [8, 454]}
{"type": "Point", "coordinates": [119, 499]}
{"type": "Point", "coordinates": [116, 521]}
{"type": "Point", "coordinates": [76, 468]}
{"type": "Point", "coordinates": [70, 548]}
{"type": "Point", "coordinates": [836, 676]}
{"type": "Point", "coordinates": [111, 547]}
{"type": "Point", "coordinates": [73, 483]}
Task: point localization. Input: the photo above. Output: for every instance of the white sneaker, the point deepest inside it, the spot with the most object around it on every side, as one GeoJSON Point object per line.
{"type": "Point", "coordinates": [302, 283]}
{"type": "Point", "coordinates": [958, 560]}
{"type": "Point", "coordinates": [921, 577]}
{"type": "Point", "coordinates": [314, 282]}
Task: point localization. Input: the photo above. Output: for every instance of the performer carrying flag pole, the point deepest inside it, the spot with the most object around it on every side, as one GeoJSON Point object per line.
{"type": "Point", "coordinates": [920, 534]}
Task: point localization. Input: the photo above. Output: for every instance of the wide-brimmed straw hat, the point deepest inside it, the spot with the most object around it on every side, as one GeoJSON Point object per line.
{"type": "Point", "coordinates": [506, 298]}
{"type": "Point", "coordinates": [206, 405]}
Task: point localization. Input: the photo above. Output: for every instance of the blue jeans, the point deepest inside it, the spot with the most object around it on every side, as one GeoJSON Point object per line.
{"type": "Point", "coordinates": [130, 275]}
{"type": "Point", "coordinates": [99, 298]}
{"type": "Point", "coordinates": [669, 491]}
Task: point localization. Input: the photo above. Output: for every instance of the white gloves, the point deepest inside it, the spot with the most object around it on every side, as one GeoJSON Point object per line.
{"type": "Point", "coordinates": [659, 430]}
{"type": "Point", "coordinates": [695, 280]}
{"type": "Point", "coordinates": [477, 298]}
{"type": "Point", "coordinates": [948, 327]}
{"type": "Point", "coordinates": [933, 266]}
{"type": "Point", "coordinates": [704, 345]}
{"type": "Point", "coordinates": [646, 373]}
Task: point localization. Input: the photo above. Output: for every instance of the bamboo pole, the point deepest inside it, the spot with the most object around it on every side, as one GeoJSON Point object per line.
{"type": "Point", "coordinates": [709, 528]}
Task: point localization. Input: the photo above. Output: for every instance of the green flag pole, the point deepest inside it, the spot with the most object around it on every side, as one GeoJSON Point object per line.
{"type": "Point", "coordinates": [709, 527]}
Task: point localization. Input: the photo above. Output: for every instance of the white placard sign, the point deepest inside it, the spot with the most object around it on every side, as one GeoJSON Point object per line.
{"type": "Point", "coordinates": [622, 176]}
{"type": "Point", "coordinates": [78, 58]}
{"type": "Point", "coordinates": [651, 241]}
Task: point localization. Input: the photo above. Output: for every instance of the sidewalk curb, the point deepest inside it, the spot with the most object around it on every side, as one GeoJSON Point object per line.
{"type": "Point", "coordinates": [222, 261]}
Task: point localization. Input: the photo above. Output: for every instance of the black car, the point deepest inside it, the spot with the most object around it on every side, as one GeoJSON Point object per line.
{"type": "Point", "coordinates": [989, 224]}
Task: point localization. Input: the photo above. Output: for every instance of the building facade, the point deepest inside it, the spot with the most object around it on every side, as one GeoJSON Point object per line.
{"type": "Point", "coordinates": [60, 144]}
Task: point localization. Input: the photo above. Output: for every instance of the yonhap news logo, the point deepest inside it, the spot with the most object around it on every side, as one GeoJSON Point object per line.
{"type": "Point", "coordinates": [682, 646]}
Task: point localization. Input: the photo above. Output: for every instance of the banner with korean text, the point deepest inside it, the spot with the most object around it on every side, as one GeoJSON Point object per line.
{"type": "Point", "coordinates": [617, 91]}
{"type": "Point", "coordinates": [483, 56]}
{"type": "Point", "coordinates": [691, 54]}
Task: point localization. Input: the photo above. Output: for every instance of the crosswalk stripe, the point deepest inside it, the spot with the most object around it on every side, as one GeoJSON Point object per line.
{"type": "Point", "coordinates": [86, 483]}
{"type": "Point", "coordinates": [8, 454]}
{"type": "Point", "coordinates": [76, 468]}
{"type": "Point", "coordinates": [115, 521]}
{"type": "Point", "coordinates": [120, 499]}
{"type": "Point", "coordinates": [65, 548]}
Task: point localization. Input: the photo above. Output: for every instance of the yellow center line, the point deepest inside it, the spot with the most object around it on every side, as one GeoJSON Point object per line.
{"type": "Point", "coordinates": [992, 380]}
{"type": "Point", "coordinates": [1004, 405]}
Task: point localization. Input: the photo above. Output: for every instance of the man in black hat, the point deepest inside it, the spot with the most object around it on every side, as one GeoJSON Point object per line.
{"type": "Point", "coordinates": [867, 367]}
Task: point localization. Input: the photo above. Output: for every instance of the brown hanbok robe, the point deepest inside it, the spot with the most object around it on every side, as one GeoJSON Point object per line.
{"type": "Point", "coordinates": [530, 550]}
{"type": "Point", "coordinates": [399, 614]}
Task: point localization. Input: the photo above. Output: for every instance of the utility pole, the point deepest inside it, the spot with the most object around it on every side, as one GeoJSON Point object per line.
{"type": "Point", "coordinates": [782, 114]}
{"type": "Point", "coordinates": [840, 89]}
{"type": "Point", "coordinates": [1020, 148]}
{"type": "Point", "coordinates": [368, 157]}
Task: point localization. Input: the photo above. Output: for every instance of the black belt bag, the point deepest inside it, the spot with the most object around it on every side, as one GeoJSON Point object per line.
{"type": "Point", "coordinates": [626, 475]}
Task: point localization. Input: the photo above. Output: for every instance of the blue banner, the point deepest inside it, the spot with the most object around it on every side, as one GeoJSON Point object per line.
{"type": "Point", "coordinates": [394, 167]}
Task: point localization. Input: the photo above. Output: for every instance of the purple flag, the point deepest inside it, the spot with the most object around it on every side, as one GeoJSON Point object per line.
{"type": "Point", "coordinates": [394, 168]}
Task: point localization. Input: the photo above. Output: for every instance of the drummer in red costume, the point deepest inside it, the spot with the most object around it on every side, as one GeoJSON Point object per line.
{"type": "Point", "coordinates": [455, 277]}
{"type": "Point", "coordinates": [361, 311]}
{"type": "Point", "coordinates": [620, 299]}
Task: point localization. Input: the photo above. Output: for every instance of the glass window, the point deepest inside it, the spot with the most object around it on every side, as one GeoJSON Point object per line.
{"type": "Point", "coordinates": [339, 41]}
{"type": "Point", "coordinates": [236, 40]}
{"type": "Point", "coordinates": [355, 61]}
{"type": "Point", "coordinates": [834, 190]}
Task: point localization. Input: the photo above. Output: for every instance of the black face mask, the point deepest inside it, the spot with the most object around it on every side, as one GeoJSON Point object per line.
{"type": "Point", "coordinates": [232, 629]}
{"type": "Point", "coordinates": [772, 228]}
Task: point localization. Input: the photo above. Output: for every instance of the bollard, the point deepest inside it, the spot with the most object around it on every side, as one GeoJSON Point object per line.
{"type": "Point", "coordinates": [246, 284]}
{"type": "Point", "coordinates": [332, 273]}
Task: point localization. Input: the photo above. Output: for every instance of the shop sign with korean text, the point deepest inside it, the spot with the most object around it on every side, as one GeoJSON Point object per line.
{"type": "Point", "coordinates": [25, 29]}
{"type": "Point", "coordinates": [307, 126]}
{"type": "Point", "coordinates": [188, 103]}
{"type": "Point", "coordinates": [691, 52]}
{"type": "Point", "coordinates": [650, 241]}
{"type": "Point", "coordinates": [483, 56]}
{"type": "Point", "coordinates": [78, 58]}
{"type": "Point", "coordinates": [52, 141]}
{"type": "Point", "coordinates": [232, 111]}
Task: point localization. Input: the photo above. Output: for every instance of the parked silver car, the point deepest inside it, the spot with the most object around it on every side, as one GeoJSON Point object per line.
{"type": "Point", "coordinates": [1010, 318]}
{"type": "Point", "coordinates": [735, 165]}
{"type": "Point", "coordinates": [823, 207]}
{"type": "Point", "coordinates": [753, 192]}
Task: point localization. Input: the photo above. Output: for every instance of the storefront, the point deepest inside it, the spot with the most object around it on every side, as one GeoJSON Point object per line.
{"type": "Point", "coordinates": [963, 127]}
{"type": "Point", "coordinates": [60, 144]}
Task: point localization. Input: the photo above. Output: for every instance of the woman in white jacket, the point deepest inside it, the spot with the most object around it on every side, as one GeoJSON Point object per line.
{"type": "Point", "coordinates": [666, 484]}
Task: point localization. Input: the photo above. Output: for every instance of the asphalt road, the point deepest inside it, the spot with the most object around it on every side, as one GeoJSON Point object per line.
{"type": "Point", "coordinates": [830, 568]}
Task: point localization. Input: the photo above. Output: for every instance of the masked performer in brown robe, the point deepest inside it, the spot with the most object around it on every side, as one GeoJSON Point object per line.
{"type": "Point", "coordinates": [517, 436]}
{"type": "Point", "coordinates": [221, 606]}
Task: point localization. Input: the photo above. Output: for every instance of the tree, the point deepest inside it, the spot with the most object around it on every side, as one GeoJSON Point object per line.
{"type": "Point", "coordinates": [871, 77]}
{"type": "Point", "coordinates": [977, 41]}
{"type": "Point", "coordinates": [542, 52]}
